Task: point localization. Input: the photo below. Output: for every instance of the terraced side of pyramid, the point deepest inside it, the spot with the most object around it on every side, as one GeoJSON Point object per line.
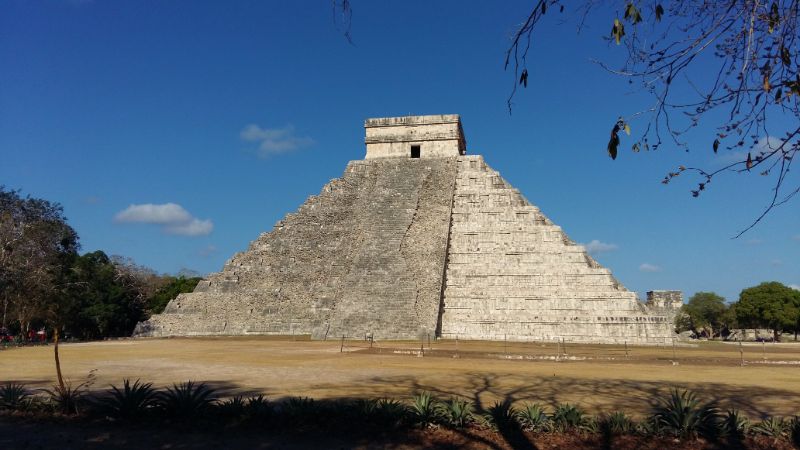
{"type": "Point", "coordinates": [513, 274]}
{"type": "Point", "coordinates": [365, 256]}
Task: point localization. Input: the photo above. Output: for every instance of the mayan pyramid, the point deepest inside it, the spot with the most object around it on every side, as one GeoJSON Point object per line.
{"type": "Point", "coordinates": [418, 239]}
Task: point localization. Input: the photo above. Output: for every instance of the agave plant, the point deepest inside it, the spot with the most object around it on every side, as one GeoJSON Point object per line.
{"type": "Point", "coordinates": [14, 396]}
{"type": "Point", "coordinates": [233, 407]}
{"type": "Point", "coordinates": [187, 400]}
{"type": "Point", "coordinates": [794, 430]}
{"type": "Point", "coordinates": [502, 416]}
{"type": "Point", "coordinates": [67, 399]}
{"type": "Point", "coordinates": [617, 422]}
{"type": "Point", "coordinates": [131, 402]}
{"type": "Point", "coordinates": [258, 408]}
{"type": "Point", "coordinates": [424, 410]}
{"type": "Point", "coordinates": [567, 416]}
{"type": "Point", "coordinates": [682, 415]}
{"type": "Point", "coordinates": [390, 413]}
{"type": "Point", "coordinates": [456, 412]}
{"type": "Point", "coordinates": [533, 417]}
{"type": "Point", "coordinates": [775, 427]}
{"type": "Point", "coordinates": [735, 424]}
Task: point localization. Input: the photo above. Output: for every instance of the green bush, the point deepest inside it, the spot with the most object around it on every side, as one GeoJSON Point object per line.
{"type": "Point", "coordinates": [187, 400]}
{"type": "Point", "coordinates": [258, 408]}
{"type": "Point", "coordinates": [131, 402]}
{"type": "Point", "coordinates": [424, 410]}
{"type": "Point", "coordinates": [502, 416]}
{"type": "Point", "coordinates": [617, 422]}
{"type": "Point", "coordinates": [734, 424]}
{"type": "Point", "coordinates": [232, 408]}
{"type": "Point", "coordinates": [682, 415]}
{"type": "Point", "coordinates": [390, 413]}
{"type": "Point", "coordinates": [14, 397]}
{"type": "Point", "coordinates": [533, 417]}
{"type": "Point", "coordinates": [456, 412]}
{"type": "Point", "coordinates": [775, 427]}
{"type": "Point", "coordinates": [567, 416]}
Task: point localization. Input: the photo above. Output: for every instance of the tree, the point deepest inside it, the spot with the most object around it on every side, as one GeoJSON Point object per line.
{"type": "Point", "coordinates": [706, 313]}
{"type": "Point", "coordinates": [770, 305]}
{"type": "Point", "coordinates": [174, 286]}
{"type": "Point", "coordinates": [732, 62]}
{"type": "Point", "coordinates": [37, 247]}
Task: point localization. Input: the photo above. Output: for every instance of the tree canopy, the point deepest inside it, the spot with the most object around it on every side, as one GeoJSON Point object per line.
{"type": "Point", "coordinates": [770, 305]}
{"type": "Point", "coordinates": [706, 312]}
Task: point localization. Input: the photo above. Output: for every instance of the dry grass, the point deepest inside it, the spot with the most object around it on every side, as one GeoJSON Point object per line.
{"type": "Point", "coordinates": [601, 378]}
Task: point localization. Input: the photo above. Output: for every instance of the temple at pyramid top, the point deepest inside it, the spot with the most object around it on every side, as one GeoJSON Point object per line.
{"type": "Point", "coordinates": [415, 137]}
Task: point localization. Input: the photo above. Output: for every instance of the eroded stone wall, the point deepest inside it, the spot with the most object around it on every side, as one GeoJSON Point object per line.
{"type": "Point", "coordinates": [513, 274]}
{"type": "Point", "coordinates": [366, 256]}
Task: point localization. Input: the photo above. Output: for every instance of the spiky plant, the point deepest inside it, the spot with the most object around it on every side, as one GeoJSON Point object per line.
{"type": "Point", "coordinates": [533, 417]}
{"type": "Point", "coordinates": [258, 408]}
{"type": "Point", "coordinates": [456, 412]}
{"type": "Point", "coordinates": [617, 422]}
{"type": "Point", "coordinates": [131, 402]}
{"type": "Point", "coordinates": [567, 416]}
{"type": "Point", "coordinates": [735, 424]}
{"type": "Point", "coordinates": [682, 415]}
{"type": "Point", "coordinates": [67, 399]}
{"type": "Point", "coordinates": [390, 413]}
{"type": "Point", "coordinates": [774, 427]}
{"type": "Point", "coordinates": [186, 401]}
{"type": "Point", "coordinates": [424, 410]}
{"type": "Point", "coordinates": [232, 408]}
{"type": "Point", "coordinates": [794, 431]}
{"type": "Point", "coordinates": [14, 396]}
{"type": "Point", "coordinates": [502, 416]}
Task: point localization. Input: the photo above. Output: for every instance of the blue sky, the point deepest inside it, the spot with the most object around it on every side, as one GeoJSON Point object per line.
{"type": "Point", "coordinates": [225, 116]}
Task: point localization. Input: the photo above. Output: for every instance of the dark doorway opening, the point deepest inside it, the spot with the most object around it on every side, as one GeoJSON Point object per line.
{"type": "Point", "coordinates": [415, 151]}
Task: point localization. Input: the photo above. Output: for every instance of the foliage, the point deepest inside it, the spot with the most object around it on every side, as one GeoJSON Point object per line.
{"type": "Point", "coordinates": [172, 287]}
{"type": "Point", "coordinates": [770, 305]}
{"type": "Point", "coordinates": [775, 427]}
{"type": "Point", "coordinates": [131, 402]}
{"type": "Point", "coordinates": [67, 399]}
{"type": "Point", "coordinates": [567, 416]}
{"type": "Point", "coordinates": [187, 400]}
{"type": "Point", "coordinates": [682, 415]}
{"type": "Point", "coordinates": [502, 416]}
{"type": "Point", "coordinates": [258, 408]}
{"type": "Point", "coordinates": [706, 313]}
{"type": "Point", "coordinates": [13, 396]}
{"type": "Point", "coordinates": [424, 409]}
{"type": "Point", "coordinates": [617, 422]}
{"type": "Point", "coordinates": [735, 424]}
{"type": "Point", "coordinates": [732, 62]}
{"type": "Point", "coordinates": [456, 412]}
{"type": "Point", "coordinates": [533, 417]}
{"type": "Point", "coordinates": [390, 413]}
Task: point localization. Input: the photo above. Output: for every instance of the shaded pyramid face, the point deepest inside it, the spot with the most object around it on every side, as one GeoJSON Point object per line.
{"type": "Point", "coordinates": [401, 247]}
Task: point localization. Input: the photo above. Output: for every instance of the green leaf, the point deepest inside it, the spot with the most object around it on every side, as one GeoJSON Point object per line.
{"type": "Point", "coordinates": [716, 145]}
{"type": "Point", "coordinates": [617, 31]}
{"type": "Point", "coordinates": [627, 129]}
{"type": "Point", "coordinates": [632, 13]}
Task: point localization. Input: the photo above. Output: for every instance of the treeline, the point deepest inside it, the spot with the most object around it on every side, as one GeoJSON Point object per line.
{"type": "Point", "coordinates": [770, 305]}
{"type": "Point", "coordinates": [45, 282]}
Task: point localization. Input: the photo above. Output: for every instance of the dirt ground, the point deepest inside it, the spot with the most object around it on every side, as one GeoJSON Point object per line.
{"type": "Point", "coordinates": [599, 378]}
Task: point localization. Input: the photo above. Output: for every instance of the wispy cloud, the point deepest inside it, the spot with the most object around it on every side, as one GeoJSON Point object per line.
{"type": "Point", "coordinates": [764, 144]}
{"type": "Point", "coordinates": [172, 218]}
{"type": "Point", "coordinates": [796, 237]}
{"type": "Point", "coordinates": [776, 262]}
{"type": "Point", "coordinates": [207, 251]}
{"type": "Point", "coordinates": [796, 287]}
{"type": "Point", "coordinates": [647, 267]}
{"type": "Point", "coordinates": [596, 247]}
{"type": "Point", "coordinates": [273, 141]}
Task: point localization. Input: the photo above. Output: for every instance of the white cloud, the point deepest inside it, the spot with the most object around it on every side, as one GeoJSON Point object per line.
{"type": "Point", "coordinates": [208, 250]}
{"type": "Point", "coordinates": [596, 247]}
{"type": "Point", "coordinates": [647, 267]}
{"type": "Point", "coordinates": [796, 287]}
{"type": "Point", "coordinates": [796, 237]}
{"type": "Point", "coordinates": [273, 141]}
{"type": "Point", "coordinates": [173, 218]}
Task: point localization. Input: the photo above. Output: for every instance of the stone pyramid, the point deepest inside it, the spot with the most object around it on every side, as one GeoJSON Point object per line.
{"type": "Point", "coordinates": [418, 239]}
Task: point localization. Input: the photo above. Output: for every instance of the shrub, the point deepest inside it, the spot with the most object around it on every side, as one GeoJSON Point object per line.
{"type": "Point", "coordinates": [232, 408]}
{"type": "Point", "coordinates": [14, 397]}
{"type": "Point", "coordinates": [794, 430]}
{"type": "Point", "coordinates": [258, 408]}
{"type": "Point", "coordinates": [424, 410]}
{"type": "Point", "coordinates": [775, 427]}
{"type": "Point", "coordinates": [567, 416]}
{"type": "Point", "coordinates": [735, 424]}
{"type": "Point", "coordinates": [502, 416]}
{"type": "Point", "coordinates": [131, 402]}
{"type": "Point", "coordinates": [534, 417]}
{"type": "Point", "coordinates": [187, 400]}
{"type": "Point", "coordinates": [456, 412]}
{"type": "Point", "coordinates": [682, 415]}
{"type": "Point", "coordinates": [617, 422]}
{"type": "Point", "coordinates": [390, 413]}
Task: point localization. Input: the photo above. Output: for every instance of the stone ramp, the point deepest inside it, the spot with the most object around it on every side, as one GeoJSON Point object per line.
{"type": "Point", "coordinates": [366, 256]}
{"type": "Point", "coordinates": [513, 274]}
